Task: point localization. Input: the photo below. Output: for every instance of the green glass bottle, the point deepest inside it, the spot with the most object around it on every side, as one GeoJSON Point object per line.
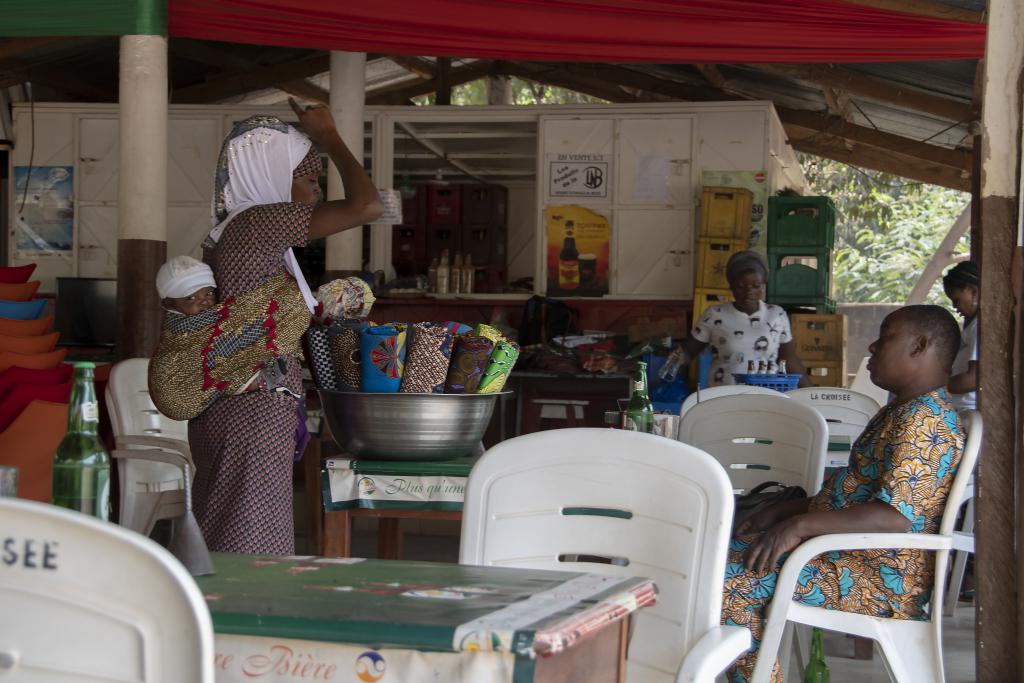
{"type": "Point", "coordinates": [81, 466]}
{"type": "Point", "coordinates": [816, 670]}
{"type": "Point", "coordinates": [639, 411]}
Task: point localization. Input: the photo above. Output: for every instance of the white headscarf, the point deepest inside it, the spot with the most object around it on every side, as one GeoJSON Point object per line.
{"type": "Point", "coordinates": [255, 167]}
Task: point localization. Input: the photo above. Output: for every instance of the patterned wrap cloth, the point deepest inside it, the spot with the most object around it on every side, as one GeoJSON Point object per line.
{"type": "Point", "coordinates": [318, 356]}
{"type": "Point", "coordinates": [383, 356]}
{"type": "Point", "coordinates": [427, 359]}
{"type": "Point", "coordinates": [482, 330]}
{"type": "Point", "coordinates": [502, 361]}
{"type": "Point", "coordinates": [346, 355]}
{"type": "Point", "coordinates": [216, 353]}
{"type": "Point", "coordinates": [349, 298]}
{"type": "Point", "coordinates": [469, 361]}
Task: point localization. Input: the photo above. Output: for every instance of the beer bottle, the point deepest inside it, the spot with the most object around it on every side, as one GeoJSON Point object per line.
{"type": "Point", "coordinates": [816, 670]}
{"type": "Point", "coordinates": [639, 411]}
{"type": "Point", "coordinates": [569, 261]}
{"type": "Point", "coordinates": [81, 466]}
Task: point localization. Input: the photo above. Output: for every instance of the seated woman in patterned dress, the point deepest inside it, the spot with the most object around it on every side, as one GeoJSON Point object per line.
{"type": "Point", "coordinates": [900, 472]}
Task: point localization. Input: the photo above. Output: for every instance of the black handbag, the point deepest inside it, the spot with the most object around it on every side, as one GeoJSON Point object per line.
{"type": "Point", "coordinates": [762, 496]}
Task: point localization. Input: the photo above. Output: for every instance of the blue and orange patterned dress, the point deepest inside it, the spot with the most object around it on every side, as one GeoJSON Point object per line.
{"type": "Point", "coordinates": [906, 457]}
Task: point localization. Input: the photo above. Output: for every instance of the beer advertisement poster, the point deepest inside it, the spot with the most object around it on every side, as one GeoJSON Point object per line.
{"type": "Point", "coordinates": [578, 248]}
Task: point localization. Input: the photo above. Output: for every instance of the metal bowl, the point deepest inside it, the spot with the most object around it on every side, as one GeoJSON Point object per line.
{"type": "Point", "coordinates": [407, 426]}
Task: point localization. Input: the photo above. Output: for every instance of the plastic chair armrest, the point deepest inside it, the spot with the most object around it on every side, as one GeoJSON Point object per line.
{"type": "Point", "coordinates": [716, 649]}
{"type": "Point", "coordinates": [162, 442]}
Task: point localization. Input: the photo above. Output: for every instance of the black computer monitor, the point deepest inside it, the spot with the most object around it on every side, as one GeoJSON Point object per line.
{"type": "Point", "coordinates": [86, 311]}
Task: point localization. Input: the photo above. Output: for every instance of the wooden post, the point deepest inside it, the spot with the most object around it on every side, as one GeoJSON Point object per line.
{"type": "Point", "coordinates": [348, 96]}
{"type": "Point", "coordinates": [142, 192]}
{"type": "Point", "coordinates": [442, 83]}
{"type": "Point", "coordinates": [1000, 648]}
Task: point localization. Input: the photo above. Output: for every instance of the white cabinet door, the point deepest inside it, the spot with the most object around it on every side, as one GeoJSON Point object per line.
{"type": "Point", "coordinates": [579, 152]}
{"type": "Point", "coordinates": [97, 240]}
{"type": "Point", "coordinates": [653, 253]}
{"type": "Point", "coordinates": [654, 165]}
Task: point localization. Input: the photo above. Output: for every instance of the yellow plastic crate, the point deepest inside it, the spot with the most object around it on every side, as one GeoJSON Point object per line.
{"type": "Point", "coordinates": [725, 212]}
{"type": "Point", "coordinates": [702, 298]}
{"type": "Point", "coordinates": [712, 256]}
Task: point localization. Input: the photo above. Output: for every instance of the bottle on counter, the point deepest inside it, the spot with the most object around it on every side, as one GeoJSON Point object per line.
{"type": "Point", "coordinates": [468, 274]}
{"type": "Point", "coordinates": [762, 367]}
{"type": "Point", "coordinates": [443, 273]}
{"type": "Point", "coordinates": [639, 411]}
{"type": "Point", "coordinates": [432, 275]}
{"type": "Point", "coordinates": [455, 275]}
{"type": "Point", "coordinates": [81, 465]}
{"type": "Point", "coordinates": [816, 670]}
{"type": "Point", "coordinates": [751, 367]}
{"type": "Point", "coordinates": [772, 368]}
{"type": "Point", "coordinates": [670, 370]}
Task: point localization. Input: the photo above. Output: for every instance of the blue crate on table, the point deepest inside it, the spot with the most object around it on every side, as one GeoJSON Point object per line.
{"type": "Point", "coordinates": [778, 382]}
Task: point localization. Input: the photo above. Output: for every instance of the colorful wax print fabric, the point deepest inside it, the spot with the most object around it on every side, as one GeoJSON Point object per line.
{"type": "Point", "coordinates": [457, 328]}
{"type": "Point", "coordinates": [383, 358]}
{"type": "Point", "coordinates": [349, 298]}
{"type": "Point", "coordinates": [346, 353]}
{"type": "Point", "coordinates": [482, 330]}
{"type": "Point", "coordinates": [318, 356]}
{"type": "Point", "coordinates": [502, 361]}
{"type": "Point", "coordinates": [427, 359]}
{"type": "Point", "coordinates": [469, 361]}
{"type": "Point", "coordinates": [906, 457]}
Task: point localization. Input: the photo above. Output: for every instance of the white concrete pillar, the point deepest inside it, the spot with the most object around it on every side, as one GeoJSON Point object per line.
{"type": "Point", "coordinates": [348, 97]}
{"type": "Point", "coordinates": [142, 191]}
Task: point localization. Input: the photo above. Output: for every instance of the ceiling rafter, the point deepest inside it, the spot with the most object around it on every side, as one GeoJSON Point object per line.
{"type": "Point", "coordinates": [401, 93]}
{"type": "Point", "coordinates": [257, 77]}
{"type": "Point", "coordinates": [871, 87]}
{"type": "Point", "coordinates": [926, 8]}
{"type": "Point", "coordinates": [423, 68]}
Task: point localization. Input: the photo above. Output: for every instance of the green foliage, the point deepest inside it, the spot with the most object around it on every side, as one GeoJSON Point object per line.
{"type": "Point", "coordinates": [523, 92]}
{"type": "Point", "coordinates": [887, 229]}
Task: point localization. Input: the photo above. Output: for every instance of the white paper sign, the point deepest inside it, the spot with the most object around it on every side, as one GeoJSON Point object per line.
{"type": "Point", "coordinates": [392, 201]}
{"type": "Point", "coordinates": [578, 175]}
{"type": "Point", "coordinates": [651, 180]}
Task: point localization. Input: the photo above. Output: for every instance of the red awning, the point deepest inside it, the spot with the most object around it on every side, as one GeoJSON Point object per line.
{"type": "Point", "coordinates": [719, 31]}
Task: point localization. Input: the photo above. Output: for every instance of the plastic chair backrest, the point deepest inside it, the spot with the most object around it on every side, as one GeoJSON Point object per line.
{"type": "Point", "coordinates": [723, 390]}
{"type": "Point", "coordinates": [132, 413]}
{"type": "Point", "coordinates": [862, 384]}
{"type": "Point", "coordinates": [77, 616]}
{"type": "Point", "coordinates": [655, 507]}
{"type": "Point", "coordinates": [759, 438]}
{"type": "Point", "coordinates": [846, 412]}
{"type": "Point", "coordinates": [29, 444]}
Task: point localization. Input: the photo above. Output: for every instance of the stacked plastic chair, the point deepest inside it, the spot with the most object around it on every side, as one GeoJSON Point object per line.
{"type": "Point", "coordinates": [35, 384]}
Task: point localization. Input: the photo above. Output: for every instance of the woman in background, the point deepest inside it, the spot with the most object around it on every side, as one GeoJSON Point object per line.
{"type": "Point", "coordinates": [961, 286]}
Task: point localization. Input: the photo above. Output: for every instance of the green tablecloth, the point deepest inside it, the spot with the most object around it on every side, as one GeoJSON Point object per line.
{"type": "Point", "coordinates": [381, 606]}
{"type": "Point", "coordinates": [394, 484]}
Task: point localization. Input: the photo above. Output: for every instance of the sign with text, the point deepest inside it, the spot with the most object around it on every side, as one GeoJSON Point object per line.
{"type": "Point", "coordinates": [578, 175]}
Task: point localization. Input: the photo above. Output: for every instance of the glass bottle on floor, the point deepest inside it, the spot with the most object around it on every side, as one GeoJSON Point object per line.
{"type": "Point", "coordinates": [816, 670]}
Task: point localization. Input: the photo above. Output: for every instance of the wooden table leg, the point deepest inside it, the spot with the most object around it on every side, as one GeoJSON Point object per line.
{"type": "Point", "coordinates": [337, 534]}
{"type": "Point", "coordinates": [314, 499]}
{"type": "Point", "coordinates": [864, 648]}
{"type": "Point", "coordinates": [389, 538]}
{"type": "Point", "coordinates": [599, 658]}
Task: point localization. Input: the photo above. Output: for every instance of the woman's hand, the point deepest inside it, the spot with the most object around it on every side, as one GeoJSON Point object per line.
{"type": "Point", "coordinates": [316, 121]}
{"type": "Point", "coordinates": [764, 552]}
{"type": "Point", "coordinates": [768, 517]}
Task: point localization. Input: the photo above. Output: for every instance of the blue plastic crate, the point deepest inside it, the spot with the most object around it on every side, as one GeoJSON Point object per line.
{"type": "Point", "coordinates": [778, 382]}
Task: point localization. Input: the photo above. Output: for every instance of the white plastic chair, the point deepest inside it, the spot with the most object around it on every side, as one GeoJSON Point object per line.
{"type": "Point", "coordinates": [151, 450]}
{"type": "Point", "coordinates": [963, 545]}
{"type": "Point", "coordinates": [759, 438]}
{"type": "Point", "coordinates": [911, 649]}
{"type": "Point", "coordinates": [846, 412]}
{"type": "Point", "coordinates": [657, 508]}
{"type": "Point", "coordinates": [88, 601]}
{"type": "Point", "coordinates": [702, 395]}
{"type": "Point", "coordinates": [862, 384]}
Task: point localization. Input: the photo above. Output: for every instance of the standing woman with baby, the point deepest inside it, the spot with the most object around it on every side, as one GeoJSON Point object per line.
{"type": "Point", "coordinates": [266, 201]}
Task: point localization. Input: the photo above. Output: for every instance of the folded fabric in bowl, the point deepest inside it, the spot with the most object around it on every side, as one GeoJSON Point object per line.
{"type": "Point", "coordinates": [16, 274]}
{"type": "Point", "coordinates": [348, 298]}
{"type": "Point", "coordinates": [22, 291]}
{"type": "Point", "coordinates": [427, 359]}
{"type": "Point", "coordinates": [469, 361]}
{"type": "Point", "coordinates": [14, 376]}
{"type": "Point", "coordinates": [456, 327]}
{"type": "Point", "coordinates": [38, 344]}
{"type": "Point", "coordinates": [502, 361]}
{"type": "Point", "coordinates": [483, 330]}
{"type": "Point", "coordinates": [344, 339]}
{"type": "Point", "coordinates": [25, 328]}
{"type": "Point", "coordinates": [383, 358]}
{"type": "Point", "coordinates": [34, 361]}
{"type": "Point", "coordinates": [22, 310]}
{"type": "Point", "coordinates": [317, 348]}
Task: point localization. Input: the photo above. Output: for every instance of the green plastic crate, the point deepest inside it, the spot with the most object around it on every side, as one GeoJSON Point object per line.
{"type": "Point", "coordinates": [799, 276]}
{"type": "Point", "coordinates": [801, 222]}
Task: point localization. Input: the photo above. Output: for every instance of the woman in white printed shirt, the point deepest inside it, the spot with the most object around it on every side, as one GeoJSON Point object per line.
{"type": "Point", "coordinates": [747, 329]}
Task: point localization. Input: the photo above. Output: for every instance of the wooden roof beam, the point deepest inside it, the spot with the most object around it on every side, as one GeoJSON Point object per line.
{"type": "Point", "coordinates": [838, 102]}
{"type": "Point", "coordinates": [257, 78]}
{"type": "Point", "coordinates": [423, 68]}
{"type": "Point", "coordinates": [401, 93]}
{"type": "Point", "coordinates": [926, 8]}
{"type": "Point", "coordinates": [15, 47]}
{"type": "Point", "coordinates": [873, 88]}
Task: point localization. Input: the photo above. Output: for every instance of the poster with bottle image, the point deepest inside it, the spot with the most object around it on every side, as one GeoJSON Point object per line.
{"type": "Point", "coordinates": [578, 248]}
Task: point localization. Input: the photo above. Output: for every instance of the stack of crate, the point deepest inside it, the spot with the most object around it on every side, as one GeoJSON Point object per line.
{"type": "Point", "coordinates": [821, 346]}
{"type": "Point", "coordinates": [801, 235]}
{"type": "Point", "coordinates": [724, 230]}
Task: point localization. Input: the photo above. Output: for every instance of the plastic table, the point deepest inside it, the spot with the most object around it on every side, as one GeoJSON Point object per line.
{"type": "Point", "coordinates": [347, 619]}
